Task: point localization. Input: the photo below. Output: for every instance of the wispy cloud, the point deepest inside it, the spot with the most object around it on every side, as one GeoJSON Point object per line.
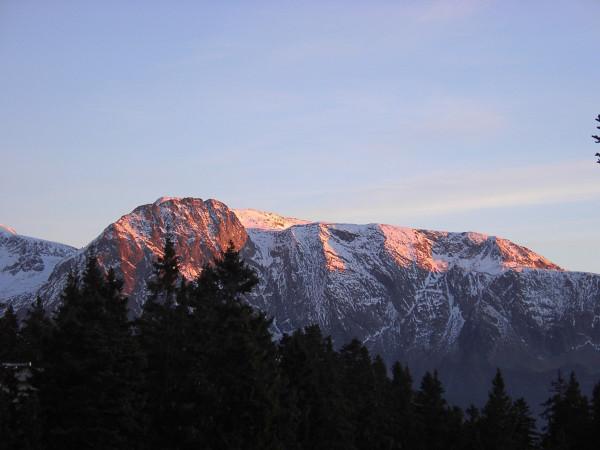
{"type": "Point", "coordinates": [469, 190]}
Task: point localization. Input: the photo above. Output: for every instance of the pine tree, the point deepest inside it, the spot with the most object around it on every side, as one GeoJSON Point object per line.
{"type": "Point", "coordinates": [235, 357]}
{"type": "Point", "coordinates": [89, 389]}
{"type": "Point", "coordinates": [595, 410]}
{"type": "Point", "coordinates": [228, 280]}
{"type": "Point", "coordinates": [524, 428]}
{"type": "Point", "coordinates": [437, 422]}
{"type": "Point", "coordinates": [358, 386]}
{"type": "Point", "coordinates": [36, 333]}
{"type": "Point", "coordinates": [9, 384]}
{"type": "Point", "coordinates": [10, 343]}
{"type": "Point", "coordinates": [381, 431]}
{"type": "Point", "coordinates": [597, 138]}
{"type": "Point", "coordinates": [319, 410]}
{"type": "Point", "coordinates": [471, 433]}
{"type": "Point", "coordinates": [166, 275]}
{"type": "Point", "coordinates": [568, 416]}
{"type": "Point", "coordinates": [160, 334]}
{"type": "Point", "coordinates": [497, 420]}
{"type": "Point", "coordinates": [402, 411]}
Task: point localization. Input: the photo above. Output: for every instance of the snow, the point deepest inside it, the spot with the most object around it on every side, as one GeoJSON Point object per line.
{"type": "Point", "coordinates": [6, 230]}
{"type": "Point", "coordinates": [262, 220]}
{"type": "Point", "coordinates": [26, 263]}
{"type": "Point", "coordinates": [162, 200]}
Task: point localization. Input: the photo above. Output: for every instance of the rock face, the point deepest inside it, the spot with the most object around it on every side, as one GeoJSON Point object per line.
{"type": "Point", "coordinates": [201, 230]}
{"type": "Point", "coordinates": [464, 303]}
{"type": "Point", "coordinates": [26, 264]}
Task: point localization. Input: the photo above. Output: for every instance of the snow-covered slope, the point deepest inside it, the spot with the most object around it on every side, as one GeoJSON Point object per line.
{"type": "Point", "coordinates": [462, 302]}
{"type": "Point", "coordinates": [262, 220]}
{"type": "Point", "coordinates": [25, 264]}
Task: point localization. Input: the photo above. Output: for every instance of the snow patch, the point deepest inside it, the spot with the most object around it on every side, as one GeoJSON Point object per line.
{"type": "Point", "coordinates": [262, 220]}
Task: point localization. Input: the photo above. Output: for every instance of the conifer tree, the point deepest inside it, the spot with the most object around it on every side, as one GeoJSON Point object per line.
{"type": "Point", "coordinates": [496, 420]}
{"type": "Point", "coordinates": [10, 344]}
{"type": "Point", "coordinates": [567, 415]}
{"type": "Point", "coordinates": [597, 138]}
{"type": "Point", "coordinates": [402, 410]}
{"type": "Point", "coordinates": [595, 411]}
{"type": "Point", "coordinates": [358, 386]}
{"type": "Point", "coordinates": [240, 388]}
{"type": "Point", "coordinates": [524, 429]}
{"type": "Point", "coordinates": [166, 275]}
{"type": "Point", "coordinates": [36, 333]}
{"type": "Point", "coordinates": [381, 431]}
{"type": "Point", "coordinates": [319, 410]}
{"type": "Point", "coordinates": [160, 334]}
{"type": "Point", "coordinates": [228, 280]}
{"type": "Point", "coordinates": [9, 385]}
{"type": "Point", "coordinates": [436, 420]}
{"type": "Point", "coordinates": [89, 379]}
{"type": "Point", "coordinates": [471, 432]}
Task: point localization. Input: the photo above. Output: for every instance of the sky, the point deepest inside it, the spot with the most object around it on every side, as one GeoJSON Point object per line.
{"type": "Point", "coordinates": [462, 115]}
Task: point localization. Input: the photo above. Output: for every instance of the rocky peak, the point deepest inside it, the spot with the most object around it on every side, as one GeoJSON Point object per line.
{"type": "Point", "coordinates": [201, 230]}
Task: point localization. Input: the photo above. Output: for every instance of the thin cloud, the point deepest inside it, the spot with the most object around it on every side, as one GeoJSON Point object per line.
{"type": "Point", "coordinates": [439, 194]}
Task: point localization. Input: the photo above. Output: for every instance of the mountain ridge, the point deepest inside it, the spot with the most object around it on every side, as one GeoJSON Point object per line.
{"type": "Point", "coordinates": [461, 302]}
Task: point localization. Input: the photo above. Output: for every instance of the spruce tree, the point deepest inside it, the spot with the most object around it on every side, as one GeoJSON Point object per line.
{"type": "Point", "coordinates": [89, 381]}
{"type": "Point", "coordinates": [166, 275]}
{"type": "Point", "coordinates": [568, 416]}
{"type": "Point", "coordinates": [471, 432]}
{"type": "Point", "coordinates": [9, 383]}
{"type": "Point", "coordinates": [524, 428]}
{"type": "Point", "coordinates": [319, 410]}
{"type": "Point", "coordinates": [358, 386]}
{"type": "Point", "coordinates": [36, 333]}
{"type": "Point", "coordinates": [381, 431]}
{"type": "Point", "coordinates": [497, 420]}
{"type": "Point", "coordinates": [10, 342]}
{"type": "Point", "coordinates": [402, 411]}
{"type": "Point", "coordinates": [160, 335]}
{"type": "Point", "coordinates": [228, 280]}
{"type": "Point", "coordinates": [436, 420]}
{"type": "Point", "coordinates": [597, 138]}
{"type": "Point", "coordinates": [595, 411]}
{"type": "Point", "coordinates": [235, 358]}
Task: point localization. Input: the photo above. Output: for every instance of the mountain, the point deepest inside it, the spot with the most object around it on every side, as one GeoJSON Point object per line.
{"type": "Point", "coordinates": [461, 302]}
{"type": "Point", "coordinates": [25, 265]}
{"type": "Point", "coordinates": [464, 303]}
{"type": "Point", "coordinates": [201, 229]}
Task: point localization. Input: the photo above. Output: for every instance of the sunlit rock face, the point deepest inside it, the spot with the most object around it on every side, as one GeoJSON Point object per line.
{"type": "Point", "coordinates": [201, 231]}
{"type": "Point", "coordinates": [460, 302]}
{"type": "Point", "coordinates": [26, 264]}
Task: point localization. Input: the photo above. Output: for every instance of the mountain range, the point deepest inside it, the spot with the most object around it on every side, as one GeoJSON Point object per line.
{"type": "Point", "coordinates": [463, 303]}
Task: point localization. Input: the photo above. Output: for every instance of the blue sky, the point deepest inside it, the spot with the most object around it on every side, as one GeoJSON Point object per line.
{"type": "Point", "coordinates": [454, 115]}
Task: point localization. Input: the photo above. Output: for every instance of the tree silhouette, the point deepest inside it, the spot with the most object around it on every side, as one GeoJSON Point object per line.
{"type": "Point", "coordinates": [597, 138]}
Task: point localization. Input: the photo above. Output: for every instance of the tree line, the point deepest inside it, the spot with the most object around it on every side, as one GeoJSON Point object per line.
{"type": "Point", "coordinates": [199, 369]}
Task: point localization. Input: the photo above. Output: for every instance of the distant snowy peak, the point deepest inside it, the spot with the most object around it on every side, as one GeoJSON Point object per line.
{"type": "Point", "coordinates": [436, 251]}
{"type": "Point", "coordinates": [26, 263]}
{"type": "Point", "coordinates": [262, 220]}
{"type": "Point", "coordinates": [5, 229]}
{"type": "Point", "coordinates": [439, 251]}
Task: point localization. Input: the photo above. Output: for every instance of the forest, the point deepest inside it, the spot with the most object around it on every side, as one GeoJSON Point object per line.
{"type": "Point", "coordinates": [199, 369]}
